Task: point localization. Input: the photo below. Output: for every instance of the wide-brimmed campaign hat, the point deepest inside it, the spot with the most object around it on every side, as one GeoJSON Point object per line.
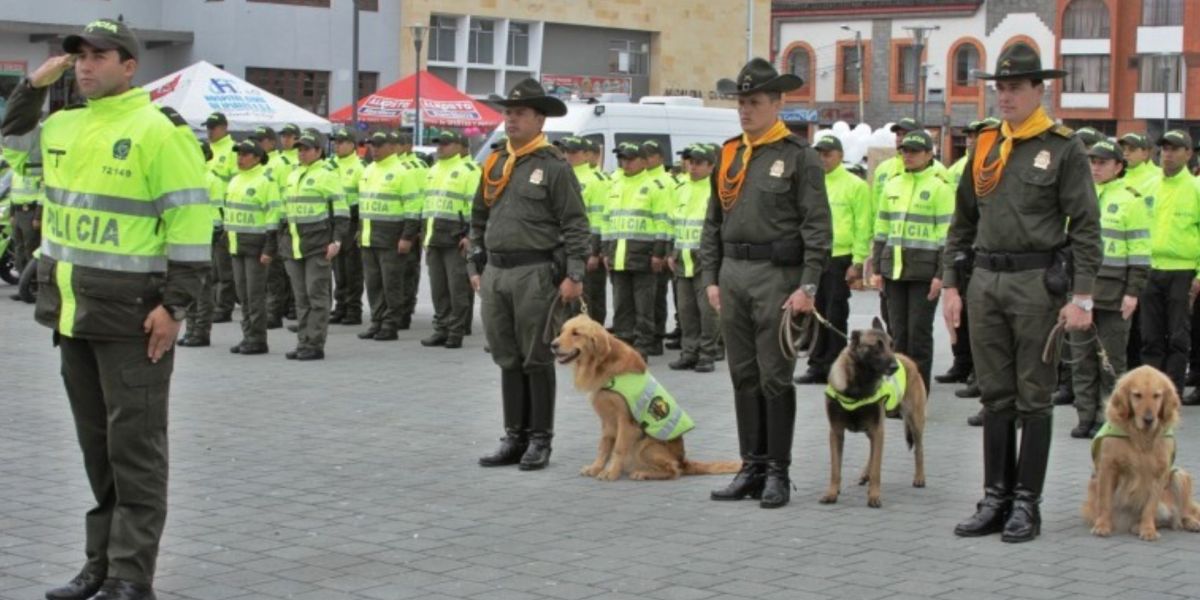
{"type": "Point", "coordinates": [758, 75]}
{"type": "Point", "coordinates": [1021, 61]}
{"type": "Point", "coordinates": [530, 93]}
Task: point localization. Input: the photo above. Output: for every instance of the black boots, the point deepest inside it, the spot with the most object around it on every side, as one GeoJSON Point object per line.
{"type": "Point", "coordinates": [999, 473]}
{"type": "Point", "coordinates": [958, 373]}
{"type": "Point", "coordinates": [1025, 522]}
{"type": "Point", "coordinates": [540, 384]}
{"type": "Point", "coordinates": [1064, 394]}
{"type": "Point", "coordinates": [516, 415]}
{"type": "Point", "coordinates": [750, 409]}
{"type": "Point", "coordinates": [777, 488]}
{"type": "Point", "coordinates": [748, 483]}
{"type": "Point", "coordinates": [81, 587]}
{"type": "Point", "coordinates": [119, 589]}
{"type": "Point", "coordinates": [781, 425]}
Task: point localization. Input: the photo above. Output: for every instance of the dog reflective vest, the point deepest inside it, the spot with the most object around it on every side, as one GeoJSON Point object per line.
{"type": "Point", "coordinates": [889, 392]}
{"type": "Point", "coordinates": [1110, 430]}
{"type": "Point", "coordinates": [651, 406]}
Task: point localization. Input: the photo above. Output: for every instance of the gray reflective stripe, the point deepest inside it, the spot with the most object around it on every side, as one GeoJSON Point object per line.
{"type": "Point", "coordinates": [1132, 234]}
{"type": "Point", "coordinates": [632, 212]}
{"type": "Point", "coordinates": [664, 432]}
{"type": "Point", "coordinates": [911, 218]}
{"type": "Point", "coordinates": [180, 198]}
{"type": "Point", "coordinates": [441, 214]}
{"type": "Point", "coordinates": [636, 237]}
{"type": "Point", "coordinates": [247, 228]}
{"type": "Point", "coordinates": [647, 396]}
{"type": "Point", "coordinates": [381, 217]}
{"type": "Point", "coordinates": [244, 206]}
{"type": "Point", "coordinates": [102, 203]}
{"type": "Point", "coordinates": [1137, 234]}
{"type": "Point", "coordinates": [308, 199]}
{"type": "Point", "coordinates": [189, 252]}
{"type": "Point", "coordinates": [447, 194]}
{"type": "Point", "coordinates": [22, 143]}
{"type": "Point", "coordinates": [1139, 261]}
{"type": "Point", "coordinates": [686, 245]}
{"type": "Point", "coordinates": [690, 223]}
{"type": "Point", "coordinates": [662, 217]}
{"type": "Point", "coordinates": [308, 219]}
{"type": "Point", "coordinates": [914, 244]}
{"type": "Point", "coordinates": [383, 196]}
{"type": "Point", "coordinates": [881, 237]}
{"type": "Point", "coordinates": [97, 259]}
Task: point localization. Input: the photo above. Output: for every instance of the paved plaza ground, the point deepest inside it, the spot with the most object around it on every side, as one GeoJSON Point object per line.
{"type": "Point", "coordinates": [355, 477]}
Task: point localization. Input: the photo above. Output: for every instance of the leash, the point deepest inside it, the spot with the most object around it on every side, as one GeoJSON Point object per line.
{"type": "Point", "coordinates": [794, 347]}
{"type": "Point", "coordinates": [557, 315]}
{"type": "Point", "coordinates": [1051, 353]}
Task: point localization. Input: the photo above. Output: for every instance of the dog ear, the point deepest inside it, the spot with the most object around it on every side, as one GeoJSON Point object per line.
{"type": "Point", "coordinates": [1168, 411]}
{"type": "Point", "coordinates": [1121, 402]}
{"type": "Point", "coordinates": [855, 336]}
{"type": "Point", "coordinates": [877, 324]}
{"type": "Point", "coordinates": [603, 341]}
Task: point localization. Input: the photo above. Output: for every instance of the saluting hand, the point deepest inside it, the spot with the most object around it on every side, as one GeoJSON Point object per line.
{"type": "Point", "coordinates": [952, 312]}
{"type": "Point", "coordinates": [162, 330]}
{"type": "Point", "coordinates": [51, 70]}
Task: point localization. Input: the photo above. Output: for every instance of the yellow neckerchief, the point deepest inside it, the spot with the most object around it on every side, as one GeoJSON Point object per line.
{"type": "Point", "coordinates": [987, 176]}
{"type": "Point", "coordinates": [729, 189]}
{"type": "Point", "coordinates": [493, 188]}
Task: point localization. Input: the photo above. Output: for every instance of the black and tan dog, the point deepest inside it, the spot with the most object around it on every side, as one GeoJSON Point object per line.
{"type": "Point", "coordinates": [868, 381]}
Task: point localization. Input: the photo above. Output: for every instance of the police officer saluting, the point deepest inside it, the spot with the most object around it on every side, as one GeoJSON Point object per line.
{"type": "Point", "coordinates": [1025, 181]}
{"type": "Point", "coordinates": [114, 293]}
{"type": "Point", "coordinates": [764, 245]}
{"type": "Point", "coordinates": [527, 209]}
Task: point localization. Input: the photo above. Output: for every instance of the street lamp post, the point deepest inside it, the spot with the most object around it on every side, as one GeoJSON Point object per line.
{"type": "Point", "coordinates": [418, 32]}
{"type": "Point", "coordinates": [858, 64]}
{"type": "Point", "coordinates": [1166, 69]}
{"type": "Point", "coordinates": [354, 73]}
{"type": "Point", "coordinates": [919, 37]}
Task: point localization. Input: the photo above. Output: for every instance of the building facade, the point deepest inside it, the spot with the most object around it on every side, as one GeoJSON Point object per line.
{"type": "Point", "coordinates": [819, 40]}
{"type": "Point", "coordinates": [1129, 62]}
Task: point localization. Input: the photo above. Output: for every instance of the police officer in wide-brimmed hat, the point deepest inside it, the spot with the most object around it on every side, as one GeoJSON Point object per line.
{"type": "Point", "coordinates": [765, 242]}
{"type": "Point", "coordinates": [1025, 180]}
{"type": "Point", "coordinates": [529, 227]}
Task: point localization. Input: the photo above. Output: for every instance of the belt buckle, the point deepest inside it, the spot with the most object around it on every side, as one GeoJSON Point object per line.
{"type": "Point", "coordinates": [743, 250]}
{"type": "Point", "coordinates": [24, 208]}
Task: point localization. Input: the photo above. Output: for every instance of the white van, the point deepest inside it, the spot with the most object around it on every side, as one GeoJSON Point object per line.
{"type": "Point", "coordinates": [673, 122]}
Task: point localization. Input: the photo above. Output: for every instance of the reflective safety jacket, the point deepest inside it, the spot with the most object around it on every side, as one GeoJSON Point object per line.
{"type": "Point", "coordinates": [279, 166]}
{"type": "Point", "coordinates": [381, 192]}
{"type": "Point", "coordinates": [956, 170]}
{"type": "Point", "coordinates": [1125, 232]}
{"type": "Point", "coordinates": [662, 213]}
{"type": "Point", "coordinates": [314, 211]}
{"type": "Point", "coordinates": [126, 224]}
{"type": "Point", "coordinates": [890, 392]}
{"type": "Point", "coordinates": [911, 225]}
{"type": "Point", "coordinates": [688, 223]}
{"type": "Point", "coordinates": [1144, 178]}
{"type": "Point", "coordinates": [27, 189]}
{"type": "Point", "coordinates": [651, 406]}
{"type": "Point", "coordinates": [890, 168]}
{"type": "Point", "coordinates": [634, 232]}
{"type": "Point", "coordinates": [223, 164]}
{"type": "Point", "coordinates": [594, 185]}
{"type": "Point", "coordinates": [1175, 227]}
{"type": "Point", "coordinates": [215, 186]}
{"type": "Point", "coordinates": [349, 170]}
{"type": "Point", "coordinates": [1110, 430]}
{"type": "Point", "coordinates": [252, 213]}
{"type": "Point", "coordinates": [850, 213]}
{"type": "Point", "coordinates": [449, 190]}
{"type": "Point", "coordinates": [414, 197]}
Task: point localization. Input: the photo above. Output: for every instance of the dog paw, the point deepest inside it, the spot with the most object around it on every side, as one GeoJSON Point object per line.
{"type": "Point", "coordinates": [1101, 530]}
{"type": "Point", "coordinates": [638, 476]}
{"type": "Point", "coordinates": [608, 475]}
{"type": "Point", "coordinates": [1148, 534]}
{"type": "Point", "coordinates": [1191, 524]}
{"type": "Point", "coordinates": [876, 502]}
{"type": "Point", "coordinates": [829, 499]}
{"type": "Point", "coordinates": [864, 480]}
{"type": "Point", "coordinates": [589, 471]}
{"type": "Point", "coordinates": [918, 483]}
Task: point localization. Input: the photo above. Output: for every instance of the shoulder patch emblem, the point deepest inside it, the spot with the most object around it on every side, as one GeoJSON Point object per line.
{"type": "Point", "coordinates": [536, 177]}
{"type": "Point", "coordinates": [1113, 208]}
{"type": "Point", "coordinates": [925, 194]}
{"type": "Point", "coordinates": [1063, 131]}
{"type": "Point", "coordinates": [389, 177]}
{"type": "Point", "coordinates": [309, 181]}
{"type": "Point", "coordinates": [120, 150]}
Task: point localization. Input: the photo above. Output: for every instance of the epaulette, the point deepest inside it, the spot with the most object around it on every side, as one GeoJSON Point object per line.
{"type": "Point", "coordinates": [989, 127]}
{"type": "Point", "coordinates": [174, 116]}
{"type": "Point", "coordinates": [469, 165]}
{"type": "Point", "coordinates": [660, 185]}
{"type": "Point", "coordinates": [1133, 190]}
{"type": "Point", "coordinates": [74, 106]}
{"type": "Point", "coordinates": [330, 167]}
{"type": "Point", "coordinates": [1062, 131]}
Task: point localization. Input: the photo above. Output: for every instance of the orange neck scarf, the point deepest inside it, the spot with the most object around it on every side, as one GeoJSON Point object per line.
{"type": "Point", "coordinates": [492, 188]}
{"type": "Point", "coordinates": [729, 188]}
{"type": "Point", "coordinates": [987, 175]}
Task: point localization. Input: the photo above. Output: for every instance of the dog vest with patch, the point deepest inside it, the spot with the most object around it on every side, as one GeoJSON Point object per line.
{"type": "Point", "coordinates": [890, 392]}
{"type": "Point", "coordinates": [651, 406]}
{"type": "Point", "coordinates": [1110, 430]}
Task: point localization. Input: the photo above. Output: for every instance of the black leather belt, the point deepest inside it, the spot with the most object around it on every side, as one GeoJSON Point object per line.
{"type": "Point", "coordinates": [28, 207]}
{"type": "Point", "coordinates": [748, 251]}
{"type": "Point", "coordinates": [510, 260]}
{"type": "Point", "coordinates": [1006, 262]}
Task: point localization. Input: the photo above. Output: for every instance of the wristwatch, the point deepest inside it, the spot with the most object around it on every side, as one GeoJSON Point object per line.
{"type": "Point", "coordinates": [1086, 303]}
{"type": "Point", "coordinates": [576, 277]}
{"type": "Point", "coordinates": [178, 313]}
{"type": "Point", "coordinates": [810, 289]}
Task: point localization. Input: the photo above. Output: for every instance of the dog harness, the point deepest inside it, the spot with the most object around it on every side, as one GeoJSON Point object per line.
{"type": "Point", "coordinates": [1110, 430]}
{"type": "Point", "coordinates": [890, 392]}
{"type": "Point", "coordinates": [651, 406]}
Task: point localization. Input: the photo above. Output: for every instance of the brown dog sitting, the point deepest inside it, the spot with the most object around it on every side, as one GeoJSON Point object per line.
{"type": "Point", "coordinates": [1136, 485]}
{"type": "Point", "coordinates": [610, 371]}
{"type": "Point", "coordinates": [867, 381]}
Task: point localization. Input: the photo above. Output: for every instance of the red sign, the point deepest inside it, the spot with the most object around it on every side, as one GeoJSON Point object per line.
{"type": "Point", "coordinates": [12, 67]}
{"type": "Point", "coordinates": [165, 88]}
{"type": "Point", "coordinates": [585, 86]}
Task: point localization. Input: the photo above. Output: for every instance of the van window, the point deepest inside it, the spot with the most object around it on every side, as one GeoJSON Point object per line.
{"type": "Point", "coordinates": [664, 141]}
{"type": "Point", "coordinates": [598, 139]}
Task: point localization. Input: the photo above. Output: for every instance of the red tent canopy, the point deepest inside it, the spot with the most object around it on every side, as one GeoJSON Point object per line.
{"type": "Point", "coordinates": [441, 105]}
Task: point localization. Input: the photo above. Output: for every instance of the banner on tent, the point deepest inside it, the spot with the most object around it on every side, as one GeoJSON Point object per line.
{"type": "Point", "coordinates": [225, 96]}
{"type": "Point", "coordinates": [460, 113]}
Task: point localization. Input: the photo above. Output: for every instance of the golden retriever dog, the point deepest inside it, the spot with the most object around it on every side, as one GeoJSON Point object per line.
{"type": "Point", "coordinates": [597, 357]}
{"type": "Point", "coordinates": [1135, 485]}
{"type": "Point", "coordinates": [857, 374]}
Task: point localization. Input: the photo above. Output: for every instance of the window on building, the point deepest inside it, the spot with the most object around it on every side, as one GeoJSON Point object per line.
{"type": "Point", "coordinates": [966, 62]}
{"type": "Point", "coordinates": [958, 145]}
{"type": "Point", "coordinates": [368, 82]}
{"type": "Point", "coordinates": [307, 89]}
{"type": "Point", "coordinates": [1159, 74]}
{"type": "Point", "coordinates": [628, 57]}
{"type": "Point", "coordinates": [906, 65]}
{"type": "Point", "coordinates": [1161, 13]}
{"type": "Point", "coordinates": [1086, 19]}
{"type": "Point", "coordinates": [481, 44]}
{"type": "Point", "coordinates": [443, 34]}
{"type": "Point", "coordinates": [518, 44]}
{"type": "Point", "coordinates": [368, 5]}
{"type": "Point", "coordinates": [799, 63]}
{"type": "Point", "coordinates": [850, 69]}
{"type": "Point", "coordinates": [1086, 74]}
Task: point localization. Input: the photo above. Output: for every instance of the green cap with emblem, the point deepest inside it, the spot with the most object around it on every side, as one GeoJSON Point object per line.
{"type": "Point", "coordinates": [379, 138]}
{"type": "Point", "coordinates": [103, 34]}
{"type": "Point", "coordinates": [290, 129]}
{"type": "Point", "coordinates": [629, 150]}
{"type": "Point", "coordinates": [906, 125]}
{"type": "Point", "coordinates": [217, 119]}
{"type": "Point", "coordinates": [249, 147]}
{"type": "Point", "coordinates": [1106, 149]}
{"type": "Point", "coordinates": [1089, 136]}
{"type": "Point", "coordinates": [700, 152]}
{"type": "Point", "coordinates": [1135, 140]}
{"type": "Point", "coordinates": [344, 135]}
{"type": "Point", "coordinates": [652, 148]}
{"type": "Point", "coordinates": [449, 136]}
{"type": "Point", "coordinates": [917, 140]}
{"type": "Point", "coordinates": [1176, 137]}
{"type": "Point", "coordinates": [311, 139]}
{"type": "Point", "coordinates": [828, 142]}
{"type": "Point", "coordinates": [572, 144]}
{"type": "Point", "coordinates": [263, 133]}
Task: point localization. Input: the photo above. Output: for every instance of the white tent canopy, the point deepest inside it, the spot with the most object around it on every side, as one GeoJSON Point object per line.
{"type": "Point", "coordinates": [201, 89]}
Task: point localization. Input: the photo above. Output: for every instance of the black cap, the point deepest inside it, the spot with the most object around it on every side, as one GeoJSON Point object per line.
{"type": "Point", "coordinates": [216, 119]}
{"type": "Point", "coordinates": [590, 145]}
{"type": "Point", "coordinates": [700, 152]}
{"type": "Point", "coordinates": [651, 148]}
{"type": "Point", "coordinates": [1106, 149]}
{"type": "Point", "coordinates": [828, 142]}
{"type": "Point", "coordinates": [402, 138]}
{"type": "Point", "coordinates": [345, 135]}
{"type": "Point", "coordinates": [263, 133]}
{"type": "Point", "coordinates": [1089, 136]}
{"type": "Point", "coordinates": [1135, 140]}
{"type": "Point", "coordinates": [249, 147]}
{"type": "Point", "coordinates": [105, 34]}
{"type": "Point", "coordinates": [290, 129]}
{"type": "Point", "coordinates": [629, 150]}
{"type": "Point", "coordinates": [312, 139]}
{"type": "Point", "coordinates": [917, 140]}
{"type": "Point", "coordinates": [572, 144]}
{"type": "Point", "coordinates": [906, 125]}
{"type": "Point", "coordinates": [380, 138]}
{"type": "Point", "coordinates": [1176, 137]}
{"type": "Point", "coordinates": [449, 136]}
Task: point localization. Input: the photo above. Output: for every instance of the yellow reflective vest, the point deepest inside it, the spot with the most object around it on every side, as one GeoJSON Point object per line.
{"type": "Point", "coordinates": [633, 231]}
{"type": "Point", "coordinates": [911, 224]}
{"type": "Point", "coordinates": [314, 211]}
{"type": "Point", "coordinates": [450, 186]}
{"type": "Point", "coordinates": [252, 211]}
{"type": "Point", "coordinates": [688, 222]}
{"type": "Point", "coordinates": [850, 213]}
{"type": "Point", "coordinates": [382, 192]}
{"type": "Point", "coordinates": [1175, 228]}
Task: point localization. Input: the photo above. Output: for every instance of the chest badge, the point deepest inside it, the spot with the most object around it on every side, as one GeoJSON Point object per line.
{"type": "Point", "coordinates": [777, 169]}
{"type": "Point", "coordinates": [536, 177]}
{"type": "Point", "coordinates": [1042, 160]}
{"type": "Point", "coordinates": [120, 150]}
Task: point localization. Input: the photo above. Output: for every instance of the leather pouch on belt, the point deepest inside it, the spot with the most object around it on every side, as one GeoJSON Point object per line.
{"type": "Point", "coordinates": [787, 253]}
{"type": "Point", "coordinates": [1058, 276]}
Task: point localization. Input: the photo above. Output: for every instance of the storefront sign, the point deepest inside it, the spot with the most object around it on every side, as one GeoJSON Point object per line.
{"type": "Point", "coordinates": [585, 86]}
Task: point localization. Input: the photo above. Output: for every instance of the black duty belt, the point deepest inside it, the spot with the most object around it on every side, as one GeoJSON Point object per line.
{"type": "Point", "coordinates": [748, 251]}
{"type": "Point", "coordinates": [26, 207]}
{"type": "Point", "coordinates": [511, 260]}
{"type": "Point", "coordinates": [1006, 262]}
